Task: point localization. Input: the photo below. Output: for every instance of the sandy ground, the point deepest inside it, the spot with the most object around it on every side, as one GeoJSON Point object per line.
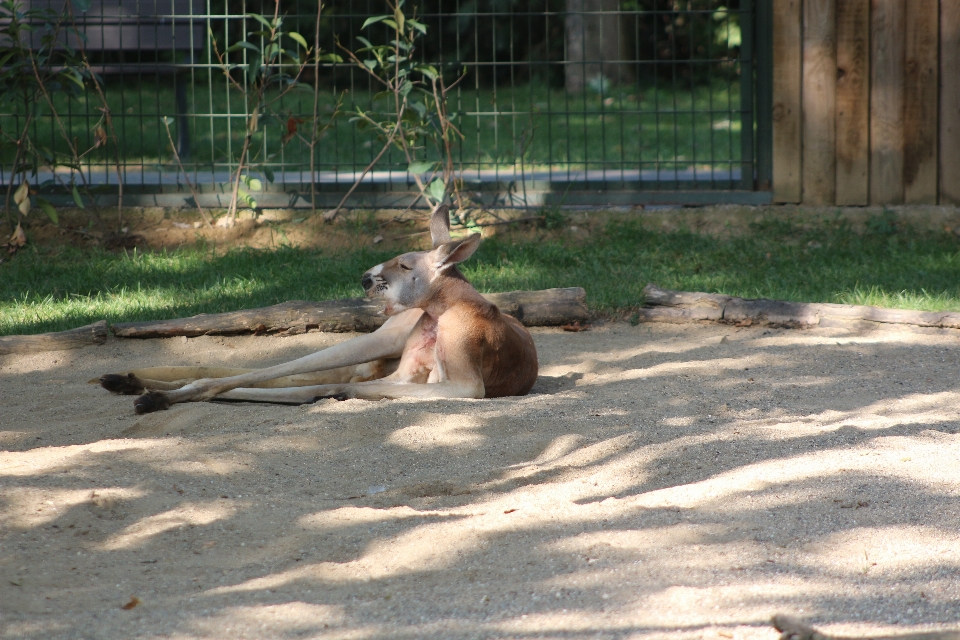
{"type": "Point", "coordinates": [662, 481]}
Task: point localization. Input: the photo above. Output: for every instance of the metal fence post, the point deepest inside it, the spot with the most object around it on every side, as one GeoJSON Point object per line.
{"type": "Point", "coordinates": [746, 95]}
{"type": "Point", "coordinates": [764, 76]}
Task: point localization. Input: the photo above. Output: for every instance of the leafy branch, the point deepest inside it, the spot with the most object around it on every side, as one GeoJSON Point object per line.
{"type": "Point", "coordinates": [419, 99]}
{"type": "Point", "coordinates": [273, 58]}
{"type": "Point", "coordinates": [31, 69]}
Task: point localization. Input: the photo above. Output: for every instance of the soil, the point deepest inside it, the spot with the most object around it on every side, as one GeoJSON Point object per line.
{"type": "Point", "coordinates": [166, 228]}
{"type": "Point", "coordinates": [660, 481]}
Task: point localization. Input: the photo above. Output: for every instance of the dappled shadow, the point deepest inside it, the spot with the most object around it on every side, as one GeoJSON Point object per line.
{"type": "Point", "coordinates": [662, 480]}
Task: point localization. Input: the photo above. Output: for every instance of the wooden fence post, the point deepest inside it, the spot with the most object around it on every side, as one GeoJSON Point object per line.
{"type": "Point", "coordinates": [887, 20]}
{"type": "Point", "coordinates": [819, 101]}
{"type": "Point", "coordinates": [920, 92]}
{"type": "Point", "coordinates": [949, 102]}
{"type": "Point", "coordinates": [853, 102]}
{"type": "Point", "coordinates": [787, 92]}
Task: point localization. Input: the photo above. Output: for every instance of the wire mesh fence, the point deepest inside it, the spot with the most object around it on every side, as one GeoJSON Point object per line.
{"type": "Point", "coordinates": [554, 96]}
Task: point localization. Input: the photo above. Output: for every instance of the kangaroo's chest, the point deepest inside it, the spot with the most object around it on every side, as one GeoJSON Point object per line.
{"type": "Point", "coordinates": [420, 358]}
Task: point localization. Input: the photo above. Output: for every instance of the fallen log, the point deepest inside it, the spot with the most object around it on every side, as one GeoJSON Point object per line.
{"type": "Point", "coordinates": [792, 629]}
{"type": "Point", "coordinates": [548, 307]}
{"type": "Point", "coordinates": [95, 333]}
{"type": "Point", "coordinates": [664, 305]}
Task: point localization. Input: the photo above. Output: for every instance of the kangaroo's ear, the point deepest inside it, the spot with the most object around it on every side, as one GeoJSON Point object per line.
{"type": "Point", "coordinates": [440, 226]}
{"type": "Point", "coordinates": [451, 253]}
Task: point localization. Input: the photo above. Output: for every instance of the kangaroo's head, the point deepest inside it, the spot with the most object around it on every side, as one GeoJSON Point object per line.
{"type": "Point", "coordinates": [416, 279]}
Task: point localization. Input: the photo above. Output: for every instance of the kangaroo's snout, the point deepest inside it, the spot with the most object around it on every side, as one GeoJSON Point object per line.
{"type": "Point", "coordinates": [366, 282]}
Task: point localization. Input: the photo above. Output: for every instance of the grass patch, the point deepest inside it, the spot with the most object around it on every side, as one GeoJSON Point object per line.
{"type": "Point", "coordinates": [889, 264]}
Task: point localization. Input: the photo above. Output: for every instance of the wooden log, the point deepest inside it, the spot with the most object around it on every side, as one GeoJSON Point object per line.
{"type": "Point", "coordinates": [886, 101]}
{"type": "Point", "coordinates": [792, 629]}
{"type": "Point", "coordinates": [787, 83]}
{"type": "Point", "coordinates": [853, 102]}
{"type": "Point", "coordinates": [533, 308]}
{"type": "Point", "coordinates": [920, 90]}
{"type": "Point", "coordinates": [544, 308]}
{"type": "Point", "coordinates": [775, 312]}
{"type": "Point", "coordinates": [655, 296]}
{"type": "Point", "coordinates": [940, 319]}
{"type": "Point", "coordinates": [949, 102]}
{"type": "Point", "coordinates": [680, 314]}
{"type": "Point", "coordinates": [95, 333]}
{"type": "Point", "coordinates": [681, 306]}
{"type": "Point", "coordinates": [292, 317]}
{"type": "Point", "coordinates": [819, 102]}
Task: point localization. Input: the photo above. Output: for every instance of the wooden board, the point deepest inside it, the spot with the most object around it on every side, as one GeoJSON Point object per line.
{"type": "Point", "coordinates": [950, 102]}
{"type": "Point", "coordinates": [920, 92]}
{"type": "Point", "coordinates": [819, 102]}
{"type": "Point", "coordinates": [787, 84]}
{"type": "Point", "coordinates": [887, 20]}
{"type": "Point", "coordinates": [853, 102]}
{"type": "Point", "coordinates": [95, 333]}
{"type": "Point", "coordinates": [532, 308]}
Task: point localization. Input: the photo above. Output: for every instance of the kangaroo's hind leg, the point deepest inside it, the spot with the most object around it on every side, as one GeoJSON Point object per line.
{"type": "Point", "coordinates": [138, 381]}
{"type": "Point", "coordinates": [135, 381]}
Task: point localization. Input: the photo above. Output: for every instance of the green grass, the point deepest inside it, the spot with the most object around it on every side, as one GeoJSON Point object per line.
{"type": "Point", "coordinates": [632, 127]}
{"type": "Point", "coordinates": [888, 265]}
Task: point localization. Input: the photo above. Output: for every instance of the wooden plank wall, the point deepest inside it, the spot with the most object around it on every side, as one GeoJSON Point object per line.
{"type": "Point", "coordinates": [866, 102]}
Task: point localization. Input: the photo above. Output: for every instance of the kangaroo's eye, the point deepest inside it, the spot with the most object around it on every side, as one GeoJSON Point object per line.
{"type": "Point", "coordinates": [405, 267]}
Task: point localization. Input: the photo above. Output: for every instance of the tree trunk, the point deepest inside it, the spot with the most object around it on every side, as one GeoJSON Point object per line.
{"type": "Point", "coordinates": [593, 44]}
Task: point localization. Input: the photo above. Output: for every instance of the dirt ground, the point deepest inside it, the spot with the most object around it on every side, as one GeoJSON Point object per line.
{"type": "Point", "coordinates": [661, 481]}
{"type": "Point", "coordinates": [160, 228]}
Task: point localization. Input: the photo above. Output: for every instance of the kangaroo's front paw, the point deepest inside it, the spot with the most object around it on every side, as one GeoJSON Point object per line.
{"type": "Point", "coordinates": [128, 385]}
{"type": "Point", "coordinates": [150, 402]}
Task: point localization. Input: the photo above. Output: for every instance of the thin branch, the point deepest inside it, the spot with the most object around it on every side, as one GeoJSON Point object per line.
{"type": "Point", "coordinates": [330, 215]}
{"type": "Point", "coordinates": [16, 161]}
{"type": "Point", "coordinates": [316, 103]}
{"type": "Point", "coordinates": [360, 64]}
{"type": "Point", "coordinates": [105, 109]}
{"type": "Point", "coordinates": [63, 132]}
{"type": "Point", "coordinates": [196, 197]}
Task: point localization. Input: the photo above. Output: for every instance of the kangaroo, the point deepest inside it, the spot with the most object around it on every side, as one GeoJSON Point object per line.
{"type": "Point", "coordinates": [442, 339]}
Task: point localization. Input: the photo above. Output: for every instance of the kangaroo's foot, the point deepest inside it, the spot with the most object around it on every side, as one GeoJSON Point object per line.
{"type": "Point", "coordinates": [128, 385]}
{"type": "Point", "coordinates": [150, 402]}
